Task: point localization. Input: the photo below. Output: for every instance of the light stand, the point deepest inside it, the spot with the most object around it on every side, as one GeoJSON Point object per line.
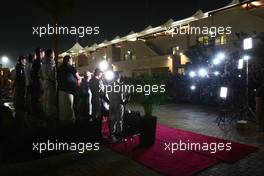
{"type": "Point", "coordinates": [225, 111]}
{"type": "Point", "coordinates": [247, 110]}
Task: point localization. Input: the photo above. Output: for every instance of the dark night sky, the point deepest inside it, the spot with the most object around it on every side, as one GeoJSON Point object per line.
{"type": "Point", "coordinates": [113, 18]}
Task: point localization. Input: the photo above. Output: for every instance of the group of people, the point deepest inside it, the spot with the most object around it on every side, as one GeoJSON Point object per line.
{"type": "Point", "coordinates": [58, 92]}
{"type": "Point", "coordinates": [34, 74]}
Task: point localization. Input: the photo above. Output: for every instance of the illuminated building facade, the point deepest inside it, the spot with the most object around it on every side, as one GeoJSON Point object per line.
{"type": "Point", "coordinates": [157, 50]}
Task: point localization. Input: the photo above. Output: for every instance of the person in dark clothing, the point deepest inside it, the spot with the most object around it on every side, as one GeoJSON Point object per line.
{"type": "Point", "coordinates": [96, 87]}
{"type": "Point", "coordinates": [20, 83]}
{"type": "Point", "coordinates": [116, 110]}
{"type": "Point", "coordinates": [28, 69]}
{"type": "Point", "coordinates": [67, 86]}
{"type": "Point", "coordinates": [85, 106]}
{"type": "Point", "coordinates": [84, 127]}
{"type": "Point", "coordinates": [98, 94]}
{"type": "Point", "coordinates": [37, 88]}
{"type": "Point", "coordinates": [49, 75]}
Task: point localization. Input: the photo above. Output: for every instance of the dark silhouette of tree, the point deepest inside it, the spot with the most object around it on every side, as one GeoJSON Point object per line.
{"type": "Point", "coordinates": [197, 53]}
{"type": "Point", "coordinates": [55, 9]}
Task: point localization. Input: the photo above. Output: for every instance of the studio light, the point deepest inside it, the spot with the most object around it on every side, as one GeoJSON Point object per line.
{"type": "Point", "coordinates": [192, 74]}
{"type": "Point", "coordinates": [223, 92]}
{"type": "Point", "coordinates": [216, 73]}
{"type": "Point", "coordinates": [246, 57]}
{"type": "Point", "coordinates": [103, 65]}
{"type": "Point", "coordinates": [216, 61]}
{"type": "Point", "coordinates": [193, 87]}
{"type": "Point", "coordinates": [220, 56]}
{"type": "Point", "coordinates": [247, 43]}
{"type": "Point", "coordinates": [240, 64]}
{"type": "Point", "coordinates": [5, 59]}
{"type": "Point", "coordinates": [109, 75]}
{"type": "Point", "coordinates": [202, 72]}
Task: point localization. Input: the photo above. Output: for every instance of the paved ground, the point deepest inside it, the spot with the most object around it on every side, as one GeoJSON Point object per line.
{"type": "Point", "coordinates": [202, 120]}
{"type": "Point", "coordinates": [106, 162]}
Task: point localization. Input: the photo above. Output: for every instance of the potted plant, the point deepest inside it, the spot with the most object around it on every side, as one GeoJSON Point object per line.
{"type": "Point", "coordinates": [148, 99]}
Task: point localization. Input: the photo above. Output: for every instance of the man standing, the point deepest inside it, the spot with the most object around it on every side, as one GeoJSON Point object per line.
{"type": "Point", "coordinates": [37, 89]}
{"type": "Point", "coordinates": [85, 105]}
{"type": "Point", "coordinates": [98, 93]}
{"type": "Point", "coordinates": [83, 125]}
{"type": "Point", "coordinates": [67, 86]}
{"type": "Point", "coordinates": [116, 110]}
{"type": "Point", "coordinates": [20, 84]}
{"type": "Point", "coordinates": [49, 75]}
{"type": "Point", "coordinates": [28, 71]}
{"type": "Point", "coordinates": [97, 88]}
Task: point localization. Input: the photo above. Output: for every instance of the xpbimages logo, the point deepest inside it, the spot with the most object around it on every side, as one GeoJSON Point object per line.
{"type": "Point", "coordinates": [212, 147]}
{"type": "Point", "coordinates": [80, 31]}
{"type": "Point", "coordinates": [130, 88]}
{"type": "Point", "coordinates": [80, 147]}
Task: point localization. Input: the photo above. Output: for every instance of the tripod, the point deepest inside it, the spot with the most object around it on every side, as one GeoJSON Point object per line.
{"type": "Point", "coordinates": [247, 111]}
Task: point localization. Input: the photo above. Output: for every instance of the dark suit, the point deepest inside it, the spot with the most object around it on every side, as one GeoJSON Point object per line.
{"type": "Point", "coordinates": [96, 86]}
{"type": "Point", "coordinates": [98, 94]}
{"type": "Point", "coordinates": [37, 89]}
{"type": "Point", "coordinates": [20, 86]}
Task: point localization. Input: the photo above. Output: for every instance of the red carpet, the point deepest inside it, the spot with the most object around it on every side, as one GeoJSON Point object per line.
{"type": "Point", "coordinates": [178, 163]}
{"type": "Point", "coordinates": [237, 152]}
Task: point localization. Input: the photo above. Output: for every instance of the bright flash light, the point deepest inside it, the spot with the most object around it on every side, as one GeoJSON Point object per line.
{"type": "Point", "coordinates": [109, 75]}
{"type": "Point", "coordinates": [193, 87]}
{"type": "Point", "coordinates": [246, 57]}
{"type": "Point", "coordinates": [216, 73]}
{"type": "Point", "coordinates": [223, 92]}
{"type": "Point", "coordinates": [202, 72]}
{"type": "Point", "coordinates": [247, 43]}
{"type": "Point", "coordinates": [103, 65]}
{"type": "Point", "coordinates": [240, 64]}
{"type": "Point", "coordinates": [5, 59]}
{"type": "Point", "coordinates": [220, 56]}
{"type": "Point", "coordinates": [216, 61]}
{"type": "Point", "coordinates": [6, 104]}
{"type": "Point", "coordinates": [192, 74]}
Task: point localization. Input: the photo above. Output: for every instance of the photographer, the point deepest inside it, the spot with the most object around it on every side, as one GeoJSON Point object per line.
{"type": "Point", "coordinates": [116, 111]}
{"type": "Point", "coordinates": [37, 85]}
{"type": "Point", "coordinates": [20, 83]}
{"type": "Point", "coordinates": [49, 75]}
{"type": "Point", "coordinates": [98, 94]}
{"type": "Point", "coordinates": [67, 86]}
{"type": "Point", "coordinates": [84, 105]}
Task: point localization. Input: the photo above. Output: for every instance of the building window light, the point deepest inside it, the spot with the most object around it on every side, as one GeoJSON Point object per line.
{"type": "Point", "coordinates": [203, 40]}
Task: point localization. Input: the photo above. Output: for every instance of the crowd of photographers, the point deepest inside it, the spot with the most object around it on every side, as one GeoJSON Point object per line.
{"type": "Point", "coordinates": [245, 88]}
{"type": "Point", "coordinates": [206, 89]}
{"type": "Point", "coordinates": [46, 91]}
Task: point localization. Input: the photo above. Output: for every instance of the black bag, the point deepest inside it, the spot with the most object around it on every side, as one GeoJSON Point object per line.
{"type": "Point", "coordinates": [131, 123]}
